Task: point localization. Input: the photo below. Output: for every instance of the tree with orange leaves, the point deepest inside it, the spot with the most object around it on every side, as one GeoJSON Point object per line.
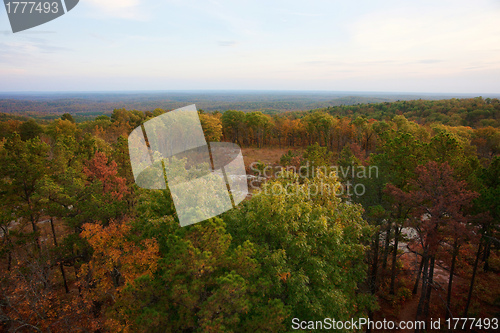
{"type": "Point", "coordinates": [117, 261]}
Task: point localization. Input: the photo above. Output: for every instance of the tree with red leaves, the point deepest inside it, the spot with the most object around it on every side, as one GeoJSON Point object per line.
{"type": "Point", "coordinates": [101, 170]}
{"type": "Point", "coordinates": [102, 194]}
{"type": "Point", "coordinates": [438, 202]}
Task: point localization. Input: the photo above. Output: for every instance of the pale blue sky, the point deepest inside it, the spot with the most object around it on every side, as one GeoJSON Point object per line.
{"type": "Point", "coordinates": [393, 45]}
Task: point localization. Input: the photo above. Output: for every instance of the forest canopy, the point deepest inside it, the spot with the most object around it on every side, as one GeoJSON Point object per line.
{"type": "Point", "coordinates": [83, 248]}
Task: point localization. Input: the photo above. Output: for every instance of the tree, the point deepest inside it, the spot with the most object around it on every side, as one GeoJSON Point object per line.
{"type": "Point", "coordinates": [117, 260]}
{"type": "Point", "coordinates": [120, 155]}
{"type": "Point", "coordinates": [232, 122]}
{"type": "Point", "coordinates": [212, 127]}
{"type": "Point", "coordinates": [316, 156]}
{"type": "Point", "coordinates": [259, 124]}
{"type": "Point", "coordinates": [67, 116]}
{"type": "Point", "coordinates": [402, 152]}
{"type": "Point", "coordinates": [489, 202]}
{"type": "Point", "coordinates": [310, 245]}
{"type": "Point", "coordinates": [104, 192]}
{"type": "Point", "coordinates": [6, 244]}
{"type": "Point", "coordinates": [438, 202]}
{"type": "Point", "coordinates": [318, 125]}
{"type": "Point", "coordinates": [365, 133]}
{"type": "Point", "coordinates": [30, 300]}
{"type": "Point", "coordinates": [23, 166]}
{"type": "Point", "coordinates": [487, 141]}
{"type": "Point", "coordinates": [30, 130]}
{"type": "Point", "coordinates": [62, 127]}
{"type": "Point", "coordinates": [487, 205]}
{"type": "Point", "coordinates": [202, 282]}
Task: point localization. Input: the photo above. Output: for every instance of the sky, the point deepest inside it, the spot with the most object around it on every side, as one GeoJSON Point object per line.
{"type": "Point", "coordinates": [436, 46]}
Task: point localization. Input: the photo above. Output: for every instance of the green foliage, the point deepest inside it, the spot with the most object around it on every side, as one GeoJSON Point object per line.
{"type": "Point", "coordinates": [232, 122]}
{"type": "Point", "coordinates": [318, 126]}
{"type": "Point", "coordinates": [259, 124]}
{"type": "Point", "coordinates": [347, 158]}
{"type": "Point", "coordinates": [30, 130]}
{"type": "Point", "coordinates": [489, 201]}
{"type": "Point", "coordinates": [102, 118]}
{"type": "Point", "coordinates": [287, 158]}
{"type": "Point", "coordinates": [317, 156]}
{"type": "Point", "coordinates": [22, 169]}
{"type": "Point", "coordinates": [292, 250]}
{"type": "Point", "coordinates": [68, 116]}
{"type": "Point", "coordinates": [401, 153]}
{"type": "Point", "coordinates": [203, 284]}
{"type": "Point", "coordinates": [310, 246]}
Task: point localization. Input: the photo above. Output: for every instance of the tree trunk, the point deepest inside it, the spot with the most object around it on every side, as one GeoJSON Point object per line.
{"type": "Point", "coordinates": [421, 266]}
{"type": "Point", "coordinates": [35, 231]}
{"type": "Point", "coordinates": [486, 256]}
{"type": "Point", "coordinates": [61, 266]}
{"type": "Point", "coordinates": [9, 264]}
{"type": "Point", "coordinates": [423, 292]}
{"type": "Point", "coordinates": [450, 280]}
{"type": "Point", "coordinates": [430, 283]}
{"type": "Point", "coordinates": [386, 248]}
{"type": "Point", "coordinates": [469, 297]}
{"type": "Point", "coordinates": [394, 258]}
{"type": "Point", "coordinates": [53, 231]}
{"type": "Point", "coordinates": [373, 282]}
{"type": "Point", "coordinates": [9, 249]}
{"type": "Point", "coordinates": [63, 273]}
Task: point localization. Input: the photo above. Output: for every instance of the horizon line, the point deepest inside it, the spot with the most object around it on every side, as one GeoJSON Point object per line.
{"type": "Point", "coordinates": [478, 94]}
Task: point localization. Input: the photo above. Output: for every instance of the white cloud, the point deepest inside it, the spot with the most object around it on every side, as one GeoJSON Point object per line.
{"type": "Point", "coordinates": [127, 9]}
{"type": "Point", "coordinates": [457, 35]}
{"type": "Point", "coordinates": [112, 5]}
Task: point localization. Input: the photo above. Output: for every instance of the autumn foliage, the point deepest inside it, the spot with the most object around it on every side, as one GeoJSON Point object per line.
{"type": "Point", "coordinates": [83, 249]}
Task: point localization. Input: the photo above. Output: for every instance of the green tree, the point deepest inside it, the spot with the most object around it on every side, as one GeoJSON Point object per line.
{"type": "Point", "coordinates": [317, 156]}
{"type": "Point", "coordinates": [318, 126]}
{"type": "Point", "coordinates": [310, 245]}
{"type": "Point", "coordinates": [22, 169]}
{"type": "Point", "coordinates": [489, 202]}
{"type": "Point", "coordinates": [202, 284]}
{"type": "Point", "coordinates": [259, 124]}
{"type": "Point", "coordinates": [30, 130]}
{"type": "Point", "coordinates": [68, 116]}
{"type": "Point", "coordinates": [402, 150]}
{"type": "Point", "coordinates": [232, 123]}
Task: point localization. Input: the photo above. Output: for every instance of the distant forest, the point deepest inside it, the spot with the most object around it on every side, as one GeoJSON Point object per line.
{"type": "Point", "coordinates": [86, 106]}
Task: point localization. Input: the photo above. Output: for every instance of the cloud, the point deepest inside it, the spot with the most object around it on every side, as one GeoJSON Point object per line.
{"type": "Point", "coordinates": [32, 50]}
{"type": "Point", "coordinates": [430, 61]}
{"type": "Point", "coordinates": [112, 5]}
{"type": "Point", "coordinates": [413, 30]}
{"type": "Point", "coordinates": [12, 71]}
{"type": "Point", "coordinates": [126, 9]}
{"type": "Point", "coordinates": [417, 36]}
{"type": "Point", "coordinates": [302, 13]}
{"type": "Point", "coordinates": [102, 38]}
{"type": "Point", "coordinates": [227, 13]}
{"type": "Point", "coordinates": [26, 32]}
{"type": "Point", "coordinates": [227, 43]}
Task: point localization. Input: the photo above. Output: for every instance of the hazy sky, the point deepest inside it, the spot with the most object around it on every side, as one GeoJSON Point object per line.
{"type": "Point", "coordinates": [394, 45]}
